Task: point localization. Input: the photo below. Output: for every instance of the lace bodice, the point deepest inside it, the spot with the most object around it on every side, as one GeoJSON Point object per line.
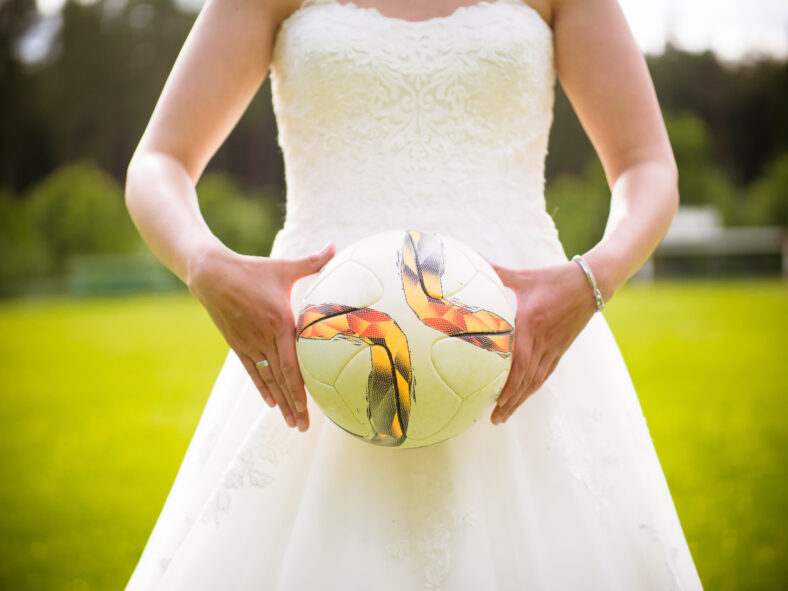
{"type": "Point", "coordinates": [385, 122]}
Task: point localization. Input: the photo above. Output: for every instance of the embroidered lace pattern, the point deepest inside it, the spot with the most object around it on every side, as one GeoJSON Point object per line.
{"type": "Point", "coordinates": [266, 446]}
{"type": "Point", "coordinates": [429, 543]}
{"type": "Point", "coordinates": [383, 119]}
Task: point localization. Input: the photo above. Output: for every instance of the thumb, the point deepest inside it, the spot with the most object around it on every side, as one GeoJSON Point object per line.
{"type": "Point", "coordinates": [312, 263]}
{"type": "Point", "coordinates": [504, 273]}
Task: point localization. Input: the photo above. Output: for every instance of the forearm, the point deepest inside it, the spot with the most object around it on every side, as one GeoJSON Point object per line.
{"type": "Point", "coordinates": [162, 202]}
{"type": "Point", "coordinates": [643, 203]}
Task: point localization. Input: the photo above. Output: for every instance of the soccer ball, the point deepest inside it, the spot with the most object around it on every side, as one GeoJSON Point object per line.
{"type": "Point", "coordinates": [405, 337]}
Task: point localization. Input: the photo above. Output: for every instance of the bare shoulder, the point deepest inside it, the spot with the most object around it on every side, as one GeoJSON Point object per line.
{"type": "Point", "coordinates": [264, 16]}
{"type": "Point", "coordinates": [594, 12]}
{"type": "Point", "coordinates": [605, 76]}
{"type": "Point", "coordinates": [281, 9]}
{"type": "Point", "coordinates": [222, 63]}
{"type": "Point", "coordinates": [544, 8]}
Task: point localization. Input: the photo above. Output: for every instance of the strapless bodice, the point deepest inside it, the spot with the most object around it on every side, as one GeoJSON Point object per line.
{"type": "Point", "coordinates": [437, 124]}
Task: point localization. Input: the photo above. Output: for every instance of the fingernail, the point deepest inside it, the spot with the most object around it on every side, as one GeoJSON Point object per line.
{"type": "Point", "coordinates": [302, 423]}
{"type": "Point", "coordinates": [270, 402]}
{"type": "Point", "coordinates": [290, 421]}
{"type": "Point", "coordinates": [300, 406]}
{"type": "Point", "coordinates": [325, 248]}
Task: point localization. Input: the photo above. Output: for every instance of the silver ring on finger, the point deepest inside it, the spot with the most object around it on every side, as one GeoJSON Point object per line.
{"type": "Point", "coordinates": [262, 364]}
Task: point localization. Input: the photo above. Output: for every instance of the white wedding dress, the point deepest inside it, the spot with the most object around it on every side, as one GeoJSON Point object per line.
{"type": "Point", "coordinates": [439, 125]}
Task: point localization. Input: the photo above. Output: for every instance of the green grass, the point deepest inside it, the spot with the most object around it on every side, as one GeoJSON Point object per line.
{"type": "Point", "coordinates": [101, 396]}
{"type": "Point", "coordinates": [99, 399]}
{"type": "Point", "coordinates": [710, 363]}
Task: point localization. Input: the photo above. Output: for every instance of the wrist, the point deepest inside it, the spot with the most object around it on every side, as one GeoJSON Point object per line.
{"type": "Point", "coordinates": [604, 268]}
{"type": "Point", "coordinates": [202, 259]}
{"type": "Point", "coordinates": [589, 281]}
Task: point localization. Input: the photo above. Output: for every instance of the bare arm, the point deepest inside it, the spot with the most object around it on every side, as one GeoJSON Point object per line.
{"type": "Point", "coordinates": [222, 63]}
{"type": "Point", "coordinates": [219, 69]}
{"type": "Point", "coordinates": [607, 81]}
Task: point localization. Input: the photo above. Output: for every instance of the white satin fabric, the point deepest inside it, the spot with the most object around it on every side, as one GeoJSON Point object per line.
{"type": "Point", "coordinates": [440, 125]}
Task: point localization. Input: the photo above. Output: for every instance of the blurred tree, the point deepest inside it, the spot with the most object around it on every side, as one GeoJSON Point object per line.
{"type": "Point", "coordinates": [107, 66]}
{"type": "Point", "coordinates": [104, 72]}
{"type": "Point", "coordinates": [570, 148]}
{"type": "Point", "coordinates": [244, 221]}
{"type": "Point", "coordinates": [22, 255]}
{"type": "Point", "coordinates": [767, 197]}
{"type": "Point", "coordinates": [24, 153]}
{"type": "Point", "coordinates": [742, 104]}
{"type": "Point", "coordinates": [251, 152]}
{"type": "Point", "coordinates": [79, 210]}
{"type": "Point", "coordinates": [579, 205]}
{"type": "Point", "coordinates": [701, 180]}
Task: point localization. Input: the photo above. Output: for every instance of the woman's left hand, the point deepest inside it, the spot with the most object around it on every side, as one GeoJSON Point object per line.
{"type": "Point", "coordinates": [554, 304]}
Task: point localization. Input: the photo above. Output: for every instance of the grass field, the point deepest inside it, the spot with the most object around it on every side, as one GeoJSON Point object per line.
{"type": "Point", "coordinates": [100, 398]}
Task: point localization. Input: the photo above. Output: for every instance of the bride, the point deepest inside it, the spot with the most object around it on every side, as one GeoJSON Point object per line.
{"type": "Point", "coordinates": [435, 116]}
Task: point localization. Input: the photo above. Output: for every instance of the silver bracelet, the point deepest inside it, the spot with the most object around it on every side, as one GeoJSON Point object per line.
{"type": "Point", "coordinates": [600, 303]}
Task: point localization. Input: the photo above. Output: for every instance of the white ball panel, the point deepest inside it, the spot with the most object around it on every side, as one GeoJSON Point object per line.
{"type": "Point", "coordinates": [476, 407]}
{"type": "Point", "coordinates": [333, 406]}
{"type": "Point", "coordinates": [325, 359]}
{"type": "Point", "coordinates": [465, 367]}
{"type": "Point", "coordinates": [379, 253]}
{"type": "Point", "coordinates": [349, 284]}
{"type": "Point", "coordinates": [480, 404]}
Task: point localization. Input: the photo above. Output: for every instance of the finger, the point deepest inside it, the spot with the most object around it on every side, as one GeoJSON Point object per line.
{"type": "Point", "coordinates": [548, 372]}
{"type": "Point", "coordinates": [513, 385]}
{"type": "Point", "coordinates": [312, 263]}
{"type": "Point", "coordinates": [509, 277]}
{"type": "Point", "coordinates": [522, 392]}
{"type": "Point", "coordinates": [552, 367]}
{"type": "Point", "coordinates": [540, 376]}
{"type": "Point", "coordinates": [489, 262]}
{"type": "Point", "coordinates": [292, 373]}
{"type": "Point", "coordinates": [522, 351]}
{"type": "Point", "coordinates": [251, 369]}
{"type": "Point", "coordinates": [496, 267]}
{"type": "Point", "coordinates": [289, 365]}
{"type": "Point", "coordinates": [505, 274]}
{"type": "Point", "coordinates": [269, 375]}
{"type": "Point", "coordinates": [506, 412]}
{"type": "Point", "coordinates": [279, 376]}
{"type": "Point", "coordinates": [272, 374]}
{"type": "Point", "coordinates": [499, 412]}
{"type": "Point", "coordinates": [537, 355]}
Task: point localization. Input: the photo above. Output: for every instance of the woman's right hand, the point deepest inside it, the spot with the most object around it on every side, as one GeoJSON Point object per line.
{"type": "Point", "coordinates": [248, 298]}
